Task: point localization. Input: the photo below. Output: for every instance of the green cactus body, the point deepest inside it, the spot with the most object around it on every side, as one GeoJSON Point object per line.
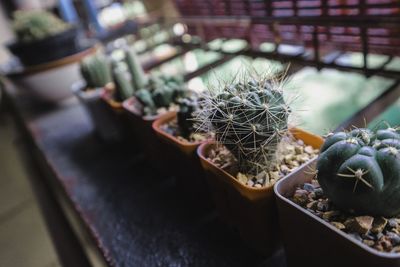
{"type": "Point", "coordinates": [139, 79]}
{"type": "Point", "coordinates": [145, 98]}
{"type": "Point", "coordinates": [360, 171]}
{"type": "Point", "coordinates": [123, 88]}
{"type": "Point", "coordinates": [35, 25]}
{"type": "Point", "coordinates": [249, 118]}
{"type": "Point", "coordinates": [96, 71]}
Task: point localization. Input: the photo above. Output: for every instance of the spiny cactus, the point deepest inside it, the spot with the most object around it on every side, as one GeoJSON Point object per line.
{"type": "Point", "coordinates": [248, 117]}
{"type": "Point", "coordinates": [360, 171]}
{"type": "Point", "coordinates": [160, 92]}
{"type": "Point", "coordinates": [35, 25]}
{"type": "Point", "coordinates": [96, 71]}
{"type": "Point", "coordinates": [185, 116]}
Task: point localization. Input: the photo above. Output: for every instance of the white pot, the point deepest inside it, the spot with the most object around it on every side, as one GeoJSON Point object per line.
{"type": "Point", "coordinates": [50, 82]}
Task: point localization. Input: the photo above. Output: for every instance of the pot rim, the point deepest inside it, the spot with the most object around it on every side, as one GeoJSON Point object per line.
{"type": "Point", "coordinates": [34, 69]}
{"type": "Point", "coordinates": [128, 106]}
{"type": "Point", "coordinates": [107, 97]}
{"type": "Point", "coordinates": [71, 30]}
{"type": "Point", "coordinates": [205, 145]}
{"type": "Point", "coordinates": [342, 234]}
{"type": "Point", "coordinates": [164, 119]}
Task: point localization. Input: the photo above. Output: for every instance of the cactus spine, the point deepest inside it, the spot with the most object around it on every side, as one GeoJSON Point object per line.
{"type": "Point", "coordinates": [360, 171]}
{"type": "Point", "coordinates": [248, 117]}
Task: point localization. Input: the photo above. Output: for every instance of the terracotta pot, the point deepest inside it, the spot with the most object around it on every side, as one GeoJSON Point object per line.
{"type": "Point", "coordinates": [114, 106]}
{"type": "Point", "coordinates": [251, 210]}
{"type": "Point", "coordinates": [141, 128]}
{"type": "Point", "coordinates": [105, 123]}
{"type": "Point", "coordinates": [186, 164]}
{"type": "Point", "coordinates": [310, 241]}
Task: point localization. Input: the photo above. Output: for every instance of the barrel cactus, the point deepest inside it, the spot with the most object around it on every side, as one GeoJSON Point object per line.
{"type": "Point", "coordinates": [96, 71]}
{"type": "Point", "coordinates": [34, 25]}
{"type": "Point", "coordinates": [360, 171]}
{"type": "Point", "coordinates": [248, 117]}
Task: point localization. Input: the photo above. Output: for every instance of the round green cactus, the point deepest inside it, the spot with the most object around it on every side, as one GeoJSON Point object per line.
{"type": "Point", "coordinates": [249, 118]}
{"type": "Point", "coordinates": [360, 171]}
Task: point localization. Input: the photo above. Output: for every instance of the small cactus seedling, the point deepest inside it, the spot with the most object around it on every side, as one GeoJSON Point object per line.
{"type": "Point", "coordinates": [185, 116]}
{"type": "Point", "coordinates": [96, 71]}
{"type": "Point", "coordinates": [360, 171]}
{"type": "Point", "coordinates": [248, 117]}
{"type": "Point", "coordinates": [34, 25]}
{"type": "Point", "coordinates": [160, 92]}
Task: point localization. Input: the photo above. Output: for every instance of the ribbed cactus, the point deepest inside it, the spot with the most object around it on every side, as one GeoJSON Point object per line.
{"type": "Point", "coordinates": [185, 116]}
{"type": "Point", "coordinates": [35, 25]}
{"type": "Point", "coordinates": [96, 71]}
{"type": "Point", "coordinates": [138, 77]}
{"type": "Point", "coordinates": [360, 171]}
{"type": "Point", "coordinates": [123, 88]}
{"type": "Point", "coordinates": [160, 92]}
{"type": "Point", "coordinates": [249, 118]}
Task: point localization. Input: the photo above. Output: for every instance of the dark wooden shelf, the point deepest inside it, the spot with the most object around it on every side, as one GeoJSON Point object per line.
{"type": "Point", "coordinates": [134, 215]}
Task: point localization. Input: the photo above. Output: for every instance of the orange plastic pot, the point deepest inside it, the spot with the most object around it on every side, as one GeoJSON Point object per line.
{"type": "Point", "coordinates": [252, 211]}
{"type": "Point", "coordinates": [114, 106]}
{"type": "Point", "coordinates": [185, 163]}
{"type": "Point", "coordinates": [306, 234]}
{"type": "Point", "coordinates": [115, 114]}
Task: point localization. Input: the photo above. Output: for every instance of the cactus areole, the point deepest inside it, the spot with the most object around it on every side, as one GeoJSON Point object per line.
{"type": "Point", "coordinates": [249, 118]}
{"type": "Point", "coordinates": [360, 171]}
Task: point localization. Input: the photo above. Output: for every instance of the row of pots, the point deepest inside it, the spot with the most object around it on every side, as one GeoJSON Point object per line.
{"type": "Point", "coordinates": [254, 212]}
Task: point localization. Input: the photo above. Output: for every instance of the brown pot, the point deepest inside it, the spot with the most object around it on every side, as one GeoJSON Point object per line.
{"type": "Point", "coordinates": [113, 105]}
{"type": "Point", "coordinates": [251, 210]}
{"type": "Point", "coordinates": [141, 129]}
{"type": "Point", "coordinates": [186, 164]}
{"type": "Point", "coordinates": [311, 241]}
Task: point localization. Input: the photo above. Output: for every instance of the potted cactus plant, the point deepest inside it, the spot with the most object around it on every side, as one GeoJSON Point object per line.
{"type": "Point", "coordinates": [42, 37]}
{"type": "Point", "coordinates": [96, 71]}
{"type": "Point", "coordinates": [352, 200]}
{"type": "Point", "coordinates": [157, 97]}
{"type": "Point", "coordinates": [50, 54]}
{"type": "Point", "coordinates": [125, 82]}
{"type": "Point", "coordinates": [254, 147]}
{"type": "Point", "coordinates": [176, 129]}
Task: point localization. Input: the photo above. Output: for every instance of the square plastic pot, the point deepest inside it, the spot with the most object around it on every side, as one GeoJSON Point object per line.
{"type": "Point", "coordinates": [252, 211]}
{"type": "Point", "coordinates": [103, 117]}
{"type": "Point", "coordinates": [311, 241]}
{"type": "Point", "coordinates": [145, 137]}
{"type": "Point", "coordinates": [185, 163]}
